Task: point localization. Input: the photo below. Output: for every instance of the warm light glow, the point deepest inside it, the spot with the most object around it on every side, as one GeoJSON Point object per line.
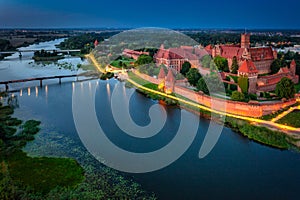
{"type": "Point", "coordinates": [73, 86]}
{"type": "Point", "coordinates": [250, 119]}
{"type": "Point", "coordinates": [28, 91]}
{"type": "Point", "coordinates": [36, 91]}
{"type": "Point", "coordinates": [21, 92]}
{"type": "Point", "coordinates": [161, 86]}
{"type": "Point", "coordinates": [46, 90]}
{"type": "Point", "coordinates": [108, 88]}
{"type": "Point", "coordinates": [168, 91]}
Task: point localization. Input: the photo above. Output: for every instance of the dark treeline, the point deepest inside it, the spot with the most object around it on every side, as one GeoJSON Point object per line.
{"type": "Point", "coordinates": [234, 38]}
{"type": "Point", "coordinates": [85, 42]}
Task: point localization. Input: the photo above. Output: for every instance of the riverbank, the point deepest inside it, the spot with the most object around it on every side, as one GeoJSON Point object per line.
{"type": "Point", "coordinates": [24, 177]}
{"type": "Point", "coordinates": [259, 134]}
{"type": "Point", "coordinates": [50, 58]}
{"type": "Point", "coordinates": [97, 181]}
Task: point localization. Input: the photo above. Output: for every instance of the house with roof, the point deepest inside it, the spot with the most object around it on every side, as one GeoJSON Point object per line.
{"type": "Point", "coordinates": [175, 57]}
{"type": "Point", "coordinates": [133, 54]}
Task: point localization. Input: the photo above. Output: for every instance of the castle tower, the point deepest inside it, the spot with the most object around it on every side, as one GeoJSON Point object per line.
{"type": "Point", "coordinates": [96, 43]}
{"type": "Point", "coordinates": [245, 40]}
{"type": "Point", "coordinates": [170, 82]}
{"type": "Point", "coordinates": [248, 69]}
{"type": "Point", "coordinates": [293, 67]}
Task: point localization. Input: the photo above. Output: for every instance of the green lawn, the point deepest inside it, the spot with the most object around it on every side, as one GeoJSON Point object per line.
{"type": "Point", "coordinates": [43, 174]}
{"type": "Point", "coordinates": [291, 119]}
{"type": "Point", "coordinates": [23, 173]}
{"type": "Point", "coordinates": [139, 80]}
{"type": "Point", "coordinates": [116, 63]}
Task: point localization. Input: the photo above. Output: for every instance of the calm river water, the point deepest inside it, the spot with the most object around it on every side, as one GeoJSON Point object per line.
{"type": "Point", "coordinates": [235, 169]}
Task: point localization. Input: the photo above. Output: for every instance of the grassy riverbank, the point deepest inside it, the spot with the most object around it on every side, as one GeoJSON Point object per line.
{"type": "Point", "coordinates": [72, 174]}
{"type": "Point", "coordinates": [24, 177]}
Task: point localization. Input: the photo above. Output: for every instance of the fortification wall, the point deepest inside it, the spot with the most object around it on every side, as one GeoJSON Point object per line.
{"type": "Point", "coordinates": [233, 107]}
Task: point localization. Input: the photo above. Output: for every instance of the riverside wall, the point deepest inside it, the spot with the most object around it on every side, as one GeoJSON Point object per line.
{"type": "Point", "coordinates": [251, 109]}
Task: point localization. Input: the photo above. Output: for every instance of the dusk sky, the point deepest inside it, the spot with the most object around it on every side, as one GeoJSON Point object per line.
{"type": "Point", "coordinates": [154, 13]}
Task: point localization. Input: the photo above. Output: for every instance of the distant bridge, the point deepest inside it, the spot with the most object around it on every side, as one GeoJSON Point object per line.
{"type": "Point", "coordinates": [34, 50]}
{"type": "Point", "coordinates": [37, 79]}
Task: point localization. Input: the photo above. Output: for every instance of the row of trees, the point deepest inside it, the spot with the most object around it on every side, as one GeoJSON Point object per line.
{"type": "Point", "coordinates": [219, 63]}
{"type": "Point", "coordinates": [84, 42]}
{"type": "Point", "coordinates": [283, 60]}
{"type": "Point", "coordinates": [206, 38]}
{"type": "Point", "coordinates": [43, 53]}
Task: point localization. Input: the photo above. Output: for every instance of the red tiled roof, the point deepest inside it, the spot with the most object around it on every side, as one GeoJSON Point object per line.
{"type": "Point", "coordinates": [184, 52]}
{"type": "Point", "coordinates": [284, 70]}
{"type": "Point", "coordinates": [248, 67]}
{"type": "Point", "coordinates": [167, 54]}
{"type": "Point", "coordinates": [293, 63]}
{"type": "Point", "coordinates": [170, 76]}
{"type": "Point", "coordinates": [261, 53]}
{"type": "Point", "coordinates": [133, 52]}
{"type": "Point", "coordinates": [162, 73]}
{"type": "Point", "coordinates": [229, 51]}
{"type": "Point", "coordinates": [96, 43]}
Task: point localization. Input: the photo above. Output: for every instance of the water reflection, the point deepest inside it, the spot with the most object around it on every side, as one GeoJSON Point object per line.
{"type": "Point", "coordinates": [28, 91]}
{"type": "Point", "coordinates": [36, 91]}
{"type": "Point", "coordinates": [108, 91]}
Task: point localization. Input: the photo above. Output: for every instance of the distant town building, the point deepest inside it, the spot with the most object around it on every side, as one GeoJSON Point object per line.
{"type": "Point", "coordinates": [133, 54]}
{"type": "Point", "coordinates": [175, 57]}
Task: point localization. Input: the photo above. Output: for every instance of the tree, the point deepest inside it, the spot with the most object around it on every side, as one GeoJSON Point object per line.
{"type": "Point", "coordinates": [243, 83]}
{"type": "Point", "coordinates": [205, 61]}
{"type": "Point", "coordinates": [144, 59]}
{"type": "Point", "coordinates": [234, 65]}
{"type": "Point", "coordinates": [285, 88]}
{"type": "Point", "coordinates": [201, 86]}
{"type": "Point", "coordinates": [186, 66]}
{"type": "Point", "coordinates": [275, 66]}
{"type": "Point", "coordinates": [193, 76]}
{"type": "Point", "coordinates": [237, 96]}
{"type": "Point", "coordinates": [221, 63]}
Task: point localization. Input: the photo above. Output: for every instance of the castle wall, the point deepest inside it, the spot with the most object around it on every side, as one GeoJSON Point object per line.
{"type": "Point", "coordinates": [146, 77]}
{"type": "Point", "coordinates": [233, 107]}
{"type": "Point", "coordinates": [263, 66]}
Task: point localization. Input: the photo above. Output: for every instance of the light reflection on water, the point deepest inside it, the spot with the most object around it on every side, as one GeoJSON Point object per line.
{"type": "Point", "coordinates": [235, 166]}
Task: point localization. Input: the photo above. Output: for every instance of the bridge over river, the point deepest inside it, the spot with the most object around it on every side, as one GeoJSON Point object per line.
{"type": "Point", "coordinates": [68, 51]}
{"type": "Point", "coordinates": [6, 83]}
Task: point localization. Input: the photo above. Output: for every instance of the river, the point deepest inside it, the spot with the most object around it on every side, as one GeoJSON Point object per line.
{"type": "Point", "coordinates": [236, 168]}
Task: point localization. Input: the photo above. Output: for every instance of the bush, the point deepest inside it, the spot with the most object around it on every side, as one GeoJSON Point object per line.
{"type": "Point", "coordinates": [237, 96]}
{"type": "Point", "coordinates": [243, 83]}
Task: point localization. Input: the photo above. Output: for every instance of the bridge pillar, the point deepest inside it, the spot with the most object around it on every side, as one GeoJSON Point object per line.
{"type": "Point", "coordinates": [41, 83]}
{"type": "Point", "coordinates": [6, 87]}
{"type": "Point", "coordinates": [59, 80]}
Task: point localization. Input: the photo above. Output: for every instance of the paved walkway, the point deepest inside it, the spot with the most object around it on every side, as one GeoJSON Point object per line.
{"type": "Point", "coordinates": [281, 115]}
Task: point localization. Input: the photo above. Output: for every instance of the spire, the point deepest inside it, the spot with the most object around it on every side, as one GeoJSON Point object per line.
{"type": "Point", "coordinates": [293, 67]}
{"type": "Point", "coordinates": [162, 73]}
{"type": "Point", "coordinates": [96, 43]}
{"type": "Point", "coordinates": [170, 77]}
